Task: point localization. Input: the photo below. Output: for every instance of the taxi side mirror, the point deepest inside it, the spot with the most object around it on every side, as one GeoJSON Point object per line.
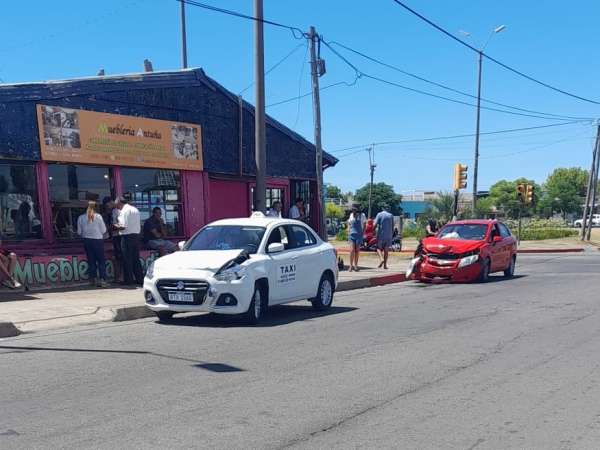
{"type": "Point", "coordinates": [497, 239]}
{"type": "Point", "coordinates": [181, 244]}
{"type": "Point", "coordinates": [275, 247]}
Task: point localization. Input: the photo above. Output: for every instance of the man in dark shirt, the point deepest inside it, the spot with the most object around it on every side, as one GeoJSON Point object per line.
{"type": "Point", "coordinates": [155, 232]}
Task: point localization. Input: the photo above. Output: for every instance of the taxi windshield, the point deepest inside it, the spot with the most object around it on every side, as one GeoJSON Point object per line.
{"type": "Point", "coordinates": [464, 231]}
{"type": "Point", "coordinates": [227, 237]}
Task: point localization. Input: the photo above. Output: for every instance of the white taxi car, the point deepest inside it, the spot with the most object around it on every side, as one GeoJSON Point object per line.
{"type": "Point", "coordinates": [243, 266]}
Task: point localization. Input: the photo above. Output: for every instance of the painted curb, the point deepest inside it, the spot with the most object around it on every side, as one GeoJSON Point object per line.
{"type": "Point", "coordinates": [551, 250]}
{"type": "Point", "coordinates": [8, 329]}
{"type": "Point", "coordinates": [131, 313]}
{"type": "Point", "coordinates": [350, 285]}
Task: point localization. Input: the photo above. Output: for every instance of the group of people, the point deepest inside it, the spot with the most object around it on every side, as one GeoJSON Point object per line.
{"type": "Point", "coordinates": [122, 224]}
{"type": "Point", "coordinates": [297, 211]}
{"type": "Point", "coordinates": [384, 230]}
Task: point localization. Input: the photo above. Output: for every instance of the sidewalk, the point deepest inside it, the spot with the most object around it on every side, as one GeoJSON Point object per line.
{"type": "Point", "coordinates": [45, 310]}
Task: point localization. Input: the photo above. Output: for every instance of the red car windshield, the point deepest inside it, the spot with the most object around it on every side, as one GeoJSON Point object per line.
{"type": "Point", "coordinates": [464, 231]}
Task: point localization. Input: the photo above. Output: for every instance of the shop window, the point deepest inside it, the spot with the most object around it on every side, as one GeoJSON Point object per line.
{"type": "Point", "coordinates": [152, 188]}
{"type": "Point", "coordinates": [71, 188]}
{"type": "Point", "coordinates": [271, 195]}
{"type": "Point", "coordinates": [19, 209]}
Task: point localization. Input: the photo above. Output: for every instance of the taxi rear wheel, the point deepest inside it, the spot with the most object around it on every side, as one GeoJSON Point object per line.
{"type": "Point", "coordinates": [324, 296]}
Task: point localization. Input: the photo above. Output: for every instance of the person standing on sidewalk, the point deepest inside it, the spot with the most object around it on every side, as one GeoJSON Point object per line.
{"type": "Point", "coordinates": [356, 225]}
{"type": "Point", "coordinates": [91, 228]}
{"type": "Point", "coordinates": [111, 219]}
{"type": "Point", "coordinates": [384, 224]}
{"type": "Point", "coordinates": [129, 227]}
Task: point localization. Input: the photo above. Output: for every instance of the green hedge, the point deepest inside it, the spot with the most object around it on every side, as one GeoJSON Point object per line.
{"type": "Point", "coordinates": [538, 234]}
{"type": "Point", "coordinates": [342, 235]}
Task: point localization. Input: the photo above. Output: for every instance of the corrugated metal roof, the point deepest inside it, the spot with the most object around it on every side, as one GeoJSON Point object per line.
{"type": "Point", "coordinates": [37, 91]}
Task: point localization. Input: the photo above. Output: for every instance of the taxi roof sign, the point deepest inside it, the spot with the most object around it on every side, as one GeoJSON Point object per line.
{"type": "Point", "coordinates": [257, 215]}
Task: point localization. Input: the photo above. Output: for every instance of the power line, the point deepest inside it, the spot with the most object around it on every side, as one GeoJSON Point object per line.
{"type": "Point", "coordinates": [494, 60]}
{"type": "Point", "coordinates": [298, 97]}
{"type": "Point", "coordinates": [502, 155]}
{"type": "Point", "coordinates": [443, 86]}
{"type": "Point", "coordinates": [274, 66]}
{"type": "Point", "coordinates": [456, 136]}
{"type": "Point", "coordinates": [297, 32]}
{"type": "Point", "coordinates": [361, 74]}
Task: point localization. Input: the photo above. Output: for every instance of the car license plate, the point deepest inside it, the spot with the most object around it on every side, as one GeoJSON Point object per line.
{"type": "Point", "coordinates": [184, 297]}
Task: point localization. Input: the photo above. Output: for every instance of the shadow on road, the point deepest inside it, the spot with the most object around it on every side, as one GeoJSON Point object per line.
{"type": "Point", "coordinates": [278, 315]}
{"type": "Point", "coordinates": [211, 367]}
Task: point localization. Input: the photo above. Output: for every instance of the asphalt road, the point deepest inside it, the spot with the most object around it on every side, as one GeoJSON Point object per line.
{"type": "Point", "coordinates": [509, 364]}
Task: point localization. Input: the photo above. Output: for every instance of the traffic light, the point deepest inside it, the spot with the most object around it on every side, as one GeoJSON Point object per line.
{"type": "Point", "coordinates": [529, 194]}
{"type": "Point", "coordinates": [460, 177]}
{"type": "Point", "coordinates": [521, 192]}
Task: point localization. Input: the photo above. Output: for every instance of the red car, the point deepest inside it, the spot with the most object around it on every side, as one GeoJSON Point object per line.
{"type": "Point", "coordinates": [468, 250]}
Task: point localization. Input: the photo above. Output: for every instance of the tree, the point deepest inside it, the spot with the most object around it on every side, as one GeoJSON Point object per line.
{"type": "Point", "coordinates": [333, 211]}
{"type": "Point", "coordinates": [382, 194]}
{"type": "Point", "coordinates": [442, 207]}
{"type": "Point", "coordinates": [564, 191]}
{"type": "Point", "coordinates": [334, 192]}
{"type": "Point", "coordinates": [503, 195]}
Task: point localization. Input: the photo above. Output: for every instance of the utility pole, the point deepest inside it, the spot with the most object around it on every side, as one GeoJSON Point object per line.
{"type": "Point", "coordinates": [316, 70]}
{"type": "Point", "coordinates": [476, 161]}
{"type": "Point", "coordinates": [594, 190]}
{"type": "Point", "coordinates": [259, 110]}
{"type": "Point", "coordinates": [372, 166]}
{"type": "Point", "coordinates": [183, 36]}
{"type": "Point", "coordinates": [588, 197]}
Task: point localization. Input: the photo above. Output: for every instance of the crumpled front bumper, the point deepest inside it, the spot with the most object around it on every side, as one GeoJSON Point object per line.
{"type": "Point", "coordinates": [430, 271]}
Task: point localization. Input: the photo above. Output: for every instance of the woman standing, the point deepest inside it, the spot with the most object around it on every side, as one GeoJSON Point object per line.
{"type": "Point", "coordinates": [91, 227]}
{"type": "Point", "coordinates": [356, 225]}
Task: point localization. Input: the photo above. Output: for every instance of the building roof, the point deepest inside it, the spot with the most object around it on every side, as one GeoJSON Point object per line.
{"type": "Point", "coordinates": [61, 89]}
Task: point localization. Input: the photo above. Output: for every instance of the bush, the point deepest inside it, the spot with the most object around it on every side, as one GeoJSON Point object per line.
{"type": "Point", "coordinates": [539, 229]}
{"type": "Point", "coordinates": [342, 235]}
{"type": "Point", "coordinates": [413, 232]}
{"type": "Point", "coordinates": [538, 234]}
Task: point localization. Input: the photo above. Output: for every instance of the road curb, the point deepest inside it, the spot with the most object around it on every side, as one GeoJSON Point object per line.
{"type": "Point", "coordinates": [126, 313]}
{"type": "Point", "coordinates": [362, 283]}
{"type": "Point", "coordinates": [8, 329]}
{"type": "Point", "coordinates": [551, 250]}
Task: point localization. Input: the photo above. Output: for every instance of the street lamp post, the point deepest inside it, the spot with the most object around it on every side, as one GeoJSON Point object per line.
{"type": "Point", "coordinates": [478, 120]}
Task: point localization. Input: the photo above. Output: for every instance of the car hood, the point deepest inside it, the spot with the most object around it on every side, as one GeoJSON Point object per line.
{"type": "Point", "coordinates": [211, 260]}
{"type": "Point", "coordinates": [456, 246]}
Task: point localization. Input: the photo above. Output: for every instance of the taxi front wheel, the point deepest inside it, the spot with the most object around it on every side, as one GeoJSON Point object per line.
{"type": "Point", "coordinates": [258, 306]}
{"type": "Point", "coordinates": [324, 296]}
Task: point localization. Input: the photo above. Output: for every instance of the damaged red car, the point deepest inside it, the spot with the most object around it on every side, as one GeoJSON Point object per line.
{"type": "Point", "coordinates": [466, 251]}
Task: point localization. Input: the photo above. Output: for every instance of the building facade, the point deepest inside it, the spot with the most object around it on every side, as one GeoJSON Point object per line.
{"type": "Point", "coordinates": [175, 140]}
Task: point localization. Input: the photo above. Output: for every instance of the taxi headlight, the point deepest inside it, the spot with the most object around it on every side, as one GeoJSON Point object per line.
{"type": "Point", "coordinates": [467, 261]}
{"type": "Point", "coordinates": [150, 270]}
{"type": "Point", "coordinates": [231, 274]}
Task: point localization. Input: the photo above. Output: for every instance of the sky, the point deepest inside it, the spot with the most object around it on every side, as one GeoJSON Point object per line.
{"type": "Point", "coordinates": [550, 40]}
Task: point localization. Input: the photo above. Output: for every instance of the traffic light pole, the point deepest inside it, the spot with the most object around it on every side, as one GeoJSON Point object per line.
{"type": "Point", "coordinates": [455, 208]}
{"type": "Point", "coordinates": [594, 193]}
{"type": "Point", "coordinates": [588, 197]}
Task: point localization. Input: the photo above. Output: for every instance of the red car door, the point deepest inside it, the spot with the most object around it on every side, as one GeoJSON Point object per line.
{"type": "Point", "coordinates": [497, 250]}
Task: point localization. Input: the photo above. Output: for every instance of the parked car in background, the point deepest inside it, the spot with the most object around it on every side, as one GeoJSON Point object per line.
{"type": "Point", "coordinates": [243, 266]}
{"type": "Point", "coordinates": [595, 221]}
{"type": "Point", "coordinates": [467, 251]}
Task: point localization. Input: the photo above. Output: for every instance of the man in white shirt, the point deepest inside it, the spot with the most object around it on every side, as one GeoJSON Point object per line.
{"type": "Point", "coordinates": [297, 211]}
{"type": "Point", "coordinates": [129, 227]}
{"type": "Point", "coordinates": [275, 210]}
